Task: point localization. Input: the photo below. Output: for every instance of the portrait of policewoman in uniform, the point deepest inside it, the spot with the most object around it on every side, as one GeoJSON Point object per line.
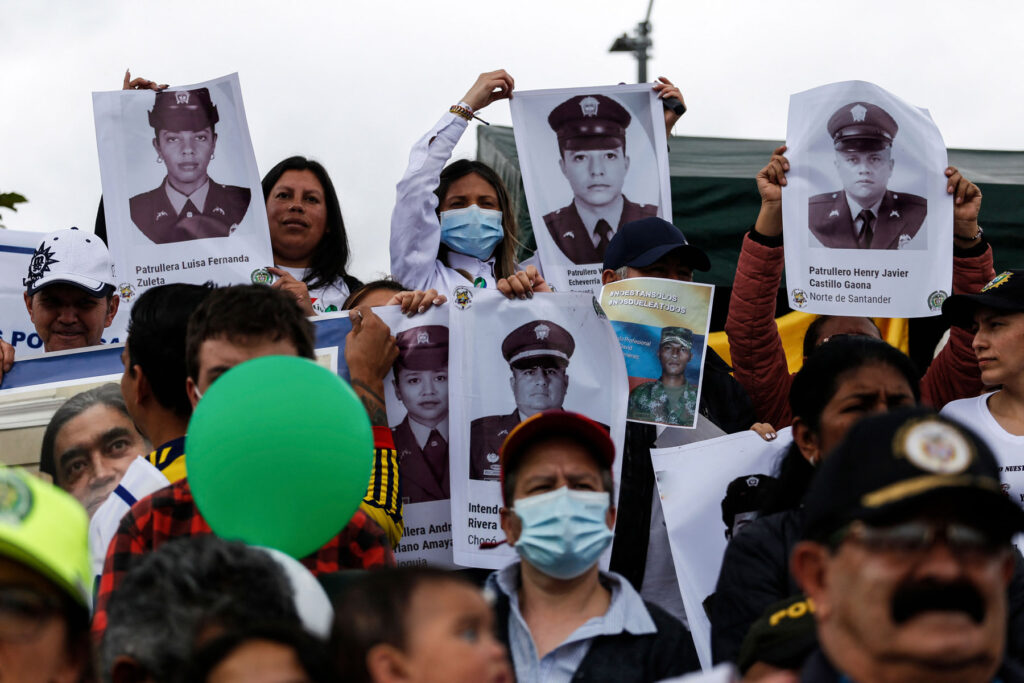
{"type": "Point", "coordinates": [188, 204]}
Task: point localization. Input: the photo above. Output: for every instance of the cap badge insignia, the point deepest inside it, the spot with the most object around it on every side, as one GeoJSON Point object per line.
{"type": "Point", "coordinates": [542, 331]}
{"type": "Point", "coordinates": [40, 264]}
{"type": "Point", "coordinates": [935, 446]}
{"type": "Point", "coordinates": [833, 212]}
{"type": "Point", "coordinates": [492, 457]}
{"type": "Point", "coordinates": [422, 337]}
{"type": "Point", "coordinates": [589, 106]}
{"type": "Point", "coordinates": [753, 482]}
{"type": "Point", "coordinates": [15, 499]}
{"type": "Point", "coordinates": [181, 97]}
{"type": "Point", "coordinates": [858, 113]}
{"type": "Point", "coordinates": [997, 281]}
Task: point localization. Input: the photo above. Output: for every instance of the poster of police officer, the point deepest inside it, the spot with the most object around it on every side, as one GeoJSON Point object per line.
{"type": "Point", "coordinates": [867, 221]}
{"type": "Point", "coordinates": [710, 490]}
{"type": "Point", "coordinates": [593, 159]}
{"type": "Point", "coordinates": [416, 396]}
{"type": "Point", "coordinates": [181, 191]}
{"type": "Point", "coordinates": [512, 359]}
{"type": "Point", "coordinates": [662, 327]}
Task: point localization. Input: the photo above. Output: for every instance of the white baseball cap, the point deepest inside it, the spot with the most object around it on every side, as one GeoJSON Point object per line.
{"type": "Point", "coordinates": [72, 257]}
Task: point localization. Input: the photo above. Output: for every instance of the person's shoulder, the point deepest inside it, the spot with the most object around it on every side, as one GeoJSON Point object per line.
{"type": "Point", "coordinates": [827, 198]}
{"type": "Point", "coordinates": [147, 196]}
{"type": "Point", "coordinates": [965, 408]}
{"type": "Point", "coordinates": [232, 191]}
{"type": "Point", "coordinates": [645, 389]}
{"type": "Point", "coordinates": [906, 199]}
{"type": "Point", "coordinates": [635, 209]}
{"type": "Point", "coordinates": [559, 215]}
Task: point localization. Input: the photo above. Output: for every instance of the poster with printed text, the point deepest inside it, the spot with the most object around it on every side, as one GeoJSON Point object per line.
{"type": "Point", "coordinates": [593, 159]}
{"type": "Point", "coordinates": [662, 327]}
{"type": "Point", "coordinates": [867, 222]}
{"type": "Point", "coordinates": [510, 360]}
{"type": "Point", "coordinates": [181, 190]}
{"type": "Point", "coordinates": [697, 484]}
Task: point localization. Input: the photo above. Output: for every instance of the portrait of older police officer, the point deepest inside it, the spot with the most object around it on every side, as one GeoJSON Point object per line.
{"type": "Point", "coordinates": [591, 132]}
{"type": "Point", "coordinates": [864, 214]}
{"type": "Point", "coordinates": [188, 204]}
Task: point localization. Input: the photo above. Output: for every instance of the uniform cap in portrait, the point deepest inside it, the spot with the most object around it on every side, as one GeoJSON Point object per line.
{"type": "Point", "coordinates": [538, 340]}
{"type": "Point", "coordinates": [861, 126]}
{"type": "Point", "coordinates": [589, 122]}
{"type": "Point", "coordinates": [422, 348]}
{"type": "Point", "coordinates": [677, 335]}
{"type": "Point", "coordinates": [183, 110]}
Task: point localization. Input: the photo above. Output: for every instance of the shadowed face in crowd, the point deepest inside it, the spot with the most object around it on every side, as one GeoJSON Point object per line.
{"type": "Point", "coordinates": [999, 345]}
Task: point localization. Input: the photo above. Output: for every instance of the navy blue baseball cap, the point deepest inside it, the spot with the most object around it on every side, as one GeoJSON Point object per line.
{"type": "Point", "coordinates": [641, 243]}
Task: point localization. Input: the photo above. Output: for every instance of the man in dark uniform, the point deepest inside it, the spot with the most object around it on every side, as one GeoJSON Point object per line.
{"type": "Point", "coordinates": [670, 399]}
{"type": "Point", "coordinates": [864, 214]}
{"type": "Point", "coordinates": [188, 205]}
{"type": "Point", "coordinates": [421, 439]}
{"type": "Point", "coordinates": [591, 132]}
{"type": "Point", "coordinates": [538, 354]}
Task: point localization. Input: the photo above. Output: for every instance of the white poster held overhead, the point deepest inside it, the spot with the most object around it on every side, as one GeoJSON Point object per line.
{"type": "Point", "coordinates": [867, 221]}
{"type": "Point", "coordinates": [416, 396]}
{"type": "Point", "coordinates": [593, 159]}
{"type": "Point", "coordinates": [692, 482]}
{"type": "Point", "coordinates": [510, 360]}
{"type": "Point", "coordinates": [181, 190]}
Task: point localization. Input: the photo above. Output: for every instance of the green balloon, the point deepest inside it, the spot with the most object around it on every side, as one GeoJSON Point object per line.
{"type": "Point", "coordinates": [279, 454]}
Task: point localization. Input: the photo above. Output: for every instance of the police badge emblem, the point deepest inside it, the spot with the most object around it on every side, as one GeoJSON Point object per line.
{"type": "Point", "coordinates": [15, 498]}
{"type": "Point", "coordinates": [492, 458]}
{"type": "Point", "coordinates": [589, 105]}
{"type": "Point", "coordinates": [126, 291]}
{"type": "Point", "coordinates": [998, 280]}
{"type": "Point", "coordinates": [261, 276]}
{"type": "Point", "coordinates": [463, 297]}
{"type": "Point", "coordinates": [934, 446]}
{"type": "Point", "coordinates": [904, 241]}
{"type": "Point", "coordinates": [935, 299]}
{"type": "Point", "coordinates": [799, 298]}
{"type": "Point", "coordinates": [181, 97]}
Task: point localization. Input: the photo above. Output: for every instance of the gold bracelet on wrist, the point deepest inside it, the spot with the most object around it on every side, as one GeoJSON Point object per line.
{"type": "Point", "coordinates": [461, 111]}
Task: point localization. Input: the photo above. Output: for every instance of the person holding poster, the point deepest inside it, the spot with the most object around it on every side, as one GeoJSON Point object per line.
{"type": "Point", "coordinates": [756, 349]}
{"type": "Point", "coordinates": [557, 483]}
{"type": "Point", "coordinates": [187, 205]}
{"type": "Point", "coordinates": [421, 438]}
{"type": "Point", "coordinates": [671, 398]}
{"type": "Point", "coordinates": [865, 214]}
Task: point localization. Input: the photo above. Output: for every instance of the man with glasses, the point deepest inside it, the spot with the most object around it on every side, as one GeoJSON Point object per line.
{"type": "Point", "coordinates": [907, 555]}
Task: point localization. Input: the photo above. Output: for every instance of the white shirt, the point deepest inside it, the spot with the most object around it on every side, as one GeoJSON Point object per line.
{"type": "Point", "coordinates": [1008, 448]}
{"type": "Point", "coordinates": [178, 200]}
{"type": "Point", "coordinates": [856, 208]}
{"type": "Point", "coordinates": [325, 299]}
{"type": "Point", "coordinates": [611, 213]}
{"type": "Point", "coordinates": [415, 228]}
{"type": "Point", "coordinates": [422, 432]}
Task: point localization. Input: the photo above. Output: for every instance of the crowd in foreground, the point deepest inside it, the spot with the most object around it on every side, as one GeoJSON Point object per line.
{"type": "Point", "coordinates": [882, 551]}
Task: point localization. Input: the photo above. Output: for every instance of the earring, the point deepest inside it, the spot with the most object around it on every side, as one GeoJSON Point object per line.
{"type": "Point", "coordinates": [159, 159]}
{"type": "Point", "coordinates": [213, 156]}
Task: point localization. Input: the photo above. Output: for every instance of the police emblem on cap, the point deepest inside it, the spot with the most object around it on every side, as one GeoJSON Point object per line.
{"type": "Point", "coordinates": [936, 298]}
{"type": "Point", "coordinates": [934, 446]}
{"type": "Point", "coordinates": [588, 105]}
{"type": "Point", "coordinates": [261, 276]}
{"type": "Point", "coordinates": [126, 291]}
{"type": "Point", "coordinates": [799, 298]}
{"type": "Point", "coordinates": [752, 482]}
{"type": "Point", "coordinates": [858, 112]}
{"type": "Point", "coordinates": [997, 281]}
{"type": "Point", "coordinates": [542, 331]}
{"type": "Point", "coordinates": [181, 97]}
{"type": "Point", "coordinates": [15, 498]}
{"type": "Point", "coordinates": [492, 457]}
{"type": "Point", "coordinates": [422, 337]}
{"type": "Point", "coordinates": [40, 264]}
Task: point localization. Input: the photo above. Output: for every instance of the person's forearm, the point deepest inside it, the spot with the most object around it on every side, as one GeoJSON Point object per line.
{"type": "Point", "coordinates": [769, 219]}
{"type": "Point", "coordinates": [371, 392]}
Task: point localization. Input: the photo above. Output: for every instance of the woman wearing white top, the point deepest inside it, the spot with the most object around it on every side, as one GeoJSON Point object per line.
{"type": "Point", "coordinates": [996, 314]}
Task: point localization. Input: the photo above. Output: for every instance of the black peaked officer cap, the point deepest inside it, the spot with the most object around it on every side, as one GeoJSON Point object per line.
{"type": "Point", "coordinates": [589, 122]}
{"type": "Point", "coordinates": [641, 243]}
{"type": "Point", "coordinates": [862, 126]}
{"type": "Point", "coordinates": [1005, 293]}
{"type": "Point", "coordinates": [183, 110]}
{"type": "Point", "coordinates": [889, 465]}
{"type": "Point", "coordinates": [538, 340]}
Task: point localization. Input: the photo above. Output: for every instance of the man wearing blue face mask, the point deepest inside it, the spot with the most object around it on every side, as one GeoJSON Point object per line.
{"type": "Point", "coordinates": [560, 616]}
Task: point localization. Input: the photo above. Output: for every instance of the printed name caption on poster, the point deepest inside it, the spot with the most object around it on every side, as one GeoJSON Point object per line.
{"type": "Point", "coordinates": [592, 277]}
{"type": "Point", "coordinates": [482, 526]}
{"type": "Point", "coordinates": [628, 343]}
{"type": "Point", "coordinates": [626, 298]}
{"type": "Point", "coordinates": [411, 545]}
{"type": "Point", "coordinates": [184, 265]}
{"type": "Point", "coordinates": [832, 281]}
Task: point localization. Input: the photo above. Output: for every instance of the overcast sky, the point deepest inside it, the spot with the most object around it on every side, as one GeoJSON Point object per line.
{"type": "Point", "coordinates": [354, 84]}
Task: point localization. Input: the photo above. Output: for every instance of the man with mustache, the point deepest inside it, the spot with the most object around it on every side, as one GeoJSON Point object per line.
{"type": "Point", "coordinates": [907, 555]}
{"type": "Point", "coordinates": [864, 214]}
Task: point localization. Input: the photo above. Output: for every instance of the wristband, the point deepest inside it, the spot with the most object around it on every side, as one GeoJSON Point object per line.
{"type": "Point", "coordinates": [975, 236]}
{"type": "Point", "coordinates": [461, 111]}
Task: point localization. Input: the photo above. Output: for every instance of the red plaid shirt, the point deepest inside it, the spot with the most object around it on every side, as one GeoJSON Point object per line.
{"type": "Point", "coordinates": [171, 513]}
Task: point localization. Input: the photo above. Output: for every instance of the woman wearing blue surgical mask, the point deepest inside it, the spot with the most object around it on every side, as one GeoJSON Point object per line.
{"type": "Point", "coordinates": [455, 225]}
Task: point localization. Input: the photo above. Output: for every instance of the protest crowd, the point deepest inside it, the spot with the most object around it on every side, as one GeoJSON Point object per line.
{"type": "Point", "coordinates": [878, 548]}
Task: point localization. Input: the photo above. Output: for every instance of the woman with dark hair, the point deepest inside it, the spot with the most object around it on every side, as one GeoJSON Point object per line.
{"type": "Point", "coordinates": [843, 380]}
{"type": "Point", "coordinates": [455, 225]}
{"type": "Point", "coordinates": [307, 235]}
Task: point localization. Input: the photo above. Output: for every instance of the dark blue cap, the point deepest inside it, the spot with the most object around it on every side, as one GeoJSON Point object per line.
{"type": "Point", "coordinates": [641, 243]}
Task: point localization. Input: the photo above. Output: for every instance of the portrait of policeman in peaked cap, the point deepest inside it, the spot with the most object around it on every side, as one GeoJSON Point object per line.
{"type": "Point", "coordinates": [591, 132]}
{"type": "Point", "coordinates": [188, 204]}
{"type": "Point", "coordinates": [865, 213]}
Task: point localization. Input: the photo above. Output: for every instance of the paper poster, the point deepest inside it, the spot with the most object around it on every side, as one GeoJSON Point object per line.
{"type": "Point", "coordinates": [867, 222]}
{"type": "Point", "coordinates": [16, 328]}
{"type": "Point", "coordinates": [662, 326]}
{"type": "Point", "coordinates": [593, 159]}
{"type": "Point", "coordinates": [416, 396]}
{"type": "Point", "coordinates": [692, 482]}
{"type": "Point", "coordinates": [510, 360]}
{"type": "Point", "coordinates": [181, 189]}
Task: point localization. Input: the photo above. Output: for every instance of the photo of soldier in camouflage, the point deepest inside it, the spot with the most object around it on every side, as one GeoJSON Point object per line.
{"type": "Point", "coordinates": [671, 399]}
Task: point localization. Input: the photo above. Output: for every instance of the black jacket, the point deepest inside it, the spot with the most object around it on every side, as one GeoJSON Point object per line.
{"type": "Point", "coordinates": [818, 669]}
{"type": "Point", "coordinates": [626, 657]}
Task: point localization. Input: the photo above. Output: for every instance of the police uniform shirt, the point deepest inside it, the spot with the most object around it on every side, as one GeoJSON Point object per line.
{"type": "Point", "coordinates": [898, 219]}
{"type": "Point", "coordinates": [855, 209]}
{"type": "Point", "coordinates": [156, 215]}
{"type": "Point", "coordinates": [178, 200]}
{"type": "Point", "coordinates": [578, 240]}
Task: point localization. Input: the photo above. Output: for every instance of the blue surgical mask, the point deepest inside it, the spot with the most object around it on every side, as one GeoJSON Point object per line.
{"type": "Point", "coordinates": [472, 231]}
{"type": "Point", "coordinates": [564, 531]}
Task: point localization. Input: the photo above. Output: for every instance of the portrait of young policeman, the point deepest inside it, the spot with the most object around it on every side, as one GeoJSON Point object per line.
{"type": "Point", "coordinates": [188, 204]}
{"type": "Point", "coordinates": [907, 555]}
{"type": "Point", "coordinates": [591, 131]}
{"type": "Point", "coordinates": [560, 615]}
{"type": "Point", "coordinates": [865, 213]}
{"type": "Point", "coordinates": [670, 399]}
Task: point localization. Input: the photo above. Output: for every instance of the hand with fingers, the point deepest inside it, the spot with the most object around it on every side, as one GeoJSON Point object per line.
{"type": "Point", "coordinates": [417, 301]}
{"type": "Point", "coordinates": [770, 181]}
{"type": "Point", "coordinates": [140, 83]}
{"type": "Point", "coordinates": [297, 288]}
{"type": "Point", "coordinates": [666, 89]}
{"type": "Point", "coordinates": [764, 430]}
{"type": "Point", "coordinates": [6, 358]}
{"type": "Point", "coordinates": [966, 207]}
{"type": "Point", "coordinates": [489, 87]}
{"type": "Point", "coordinates": [522, 284]}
